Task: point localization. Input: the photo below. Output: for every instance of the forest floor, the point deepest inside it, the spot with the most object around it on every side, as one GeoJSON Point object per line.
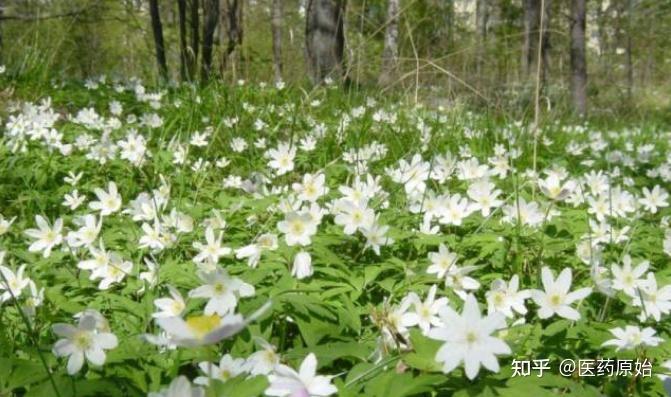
{"type": "Point", "coordinates": [217, 240]}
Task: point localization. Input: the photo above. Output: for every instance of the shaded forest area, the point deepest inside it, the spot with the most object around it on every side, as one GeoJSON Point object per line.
{"type": "Point", "coordinates": [606, 57]}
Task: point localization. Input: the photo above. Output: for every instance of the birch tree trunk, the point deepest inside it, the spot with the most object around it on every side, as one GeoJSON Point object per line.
{"type": "Point", "coordinates": [157, 29]}
{"type": "Point", "coordinates": [390, 51]}
{"type": "Point", "coordinates": [276, 25]}
{"type": "Point", "coordinates": [324, 39]}
{"type": "Point", "coordinates": [578, 58]}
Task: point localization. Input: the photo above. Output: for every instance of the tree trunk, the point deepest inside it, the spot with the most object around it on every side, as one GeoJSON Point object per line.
{"type": "Point", "coordinates": [390, 51]}
{"type": "Point", "coordinates": [1, 43]}
{"type": "Point", "coordinates": [276, 22]}
{"type": "Point", "coordinates": [211, 17]}
{"type": "Point", "coordinates": [533, 18]}
{"type": "Point", "coordinates": [183, 57]}
{"type": "Point", "coordinates": [157, 28]}
{"type": "Point", "coordinates": [629, 61]}
{"type": "Point", "coordinates": [192, 64]}
{"type": "Point", "coordinates": [324, 39]}
{"type": "Point", "coordinates": [578, 59]}
{"type": "Point", "coordinates": [231, 17]}
{"type": "Point", "coordinates": [481, 21]}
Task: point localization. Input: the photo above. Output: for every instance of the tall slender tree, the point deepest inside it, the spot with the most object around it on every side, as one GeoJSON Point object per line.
{"type": "Point", "coordinates": [157, 29]}
{"type": "Point", "coordinates": [578, 57]}
{"type": "Point", "coordinates": [276, 25]}
{"type": "Point", "coordinates": [2, 10]}
{"type": "Point", "coordinates": [629, 65]}
{"type": "Point", "coordinates": [231, 14]}
{"type": "Point", "coordinates": [481, 22]}
{"type": "Point", "coordinates": [195, 39]}
{"type": "Point", "coordinates": [183, 51]}
{"type": "Point", "coordinates": [211, 17]}
{"type": "Point", "coordinates": [324, 39]}
{"type": "Point", "coordinates": [536, 22]}
{"type": "Point", "coordinates": [390, 51]}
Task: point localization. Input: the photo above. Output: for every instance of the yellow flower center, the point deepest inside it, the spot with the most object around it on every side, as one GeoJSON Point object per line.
{"type": "Point", "coordinates": [83, 340]}
{"type": "Point", "coordinates": [297, 227]}
{"type": "Point", "coordinates": [203, 325]}
{"type": "Point", "coordinates": [219, 288]}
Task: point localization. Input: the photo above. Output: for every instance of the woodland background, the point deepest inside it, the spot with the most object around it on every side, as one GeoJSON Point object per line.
{"type": "Point", "coordinates": [480, 53]}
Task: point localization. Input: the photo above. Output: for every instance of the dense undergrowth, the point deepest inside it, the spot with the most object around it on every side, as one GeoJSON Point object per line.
{"type": "Point", "coordinates": [210, 240]}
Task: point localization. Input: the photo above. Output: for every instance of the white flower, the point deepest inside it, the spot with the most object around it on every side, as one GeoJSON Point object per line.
{"type": "Point", "coordinates": [134, 148]}
{"type": "Point", "coordinates": [471, 169]}
{"type": "Point", "coordinates": [302, 267]}
{"type": "Point", "coordinates": [523, 212]}
{"type": "Point", "coordinates": [154, 237]}
{"type": "Point", "coordinates": [202, 330]}
{"type": "Point", "coordinates": [298, 228]}
{"type": "Point", "coordinates": [457, 278]}
{"type": "Point", "coordinates": [33, 301]}
{"type": "Point", "coordinates": [468, 339]}
{"type": "Point", "coordinates": [599, 207]}
{"type": "Point", "coordinates": [11, 283]}
{"type": "Point", "coordinates": [282, 158]}
{"type": "Point", "coordinates": [87, 233]}
{"type": "Point", "coordinates": [222, 291]}
{"type": "Point", "coordinates": [312, 188]}
{"type": "Point", "coordinates": [441, 261]}
{"type": "Point", "coordinates": [653, 301]}
{"type": "Point", "coordinates": [46, 237]}
{"type": "Point", "coordinates": [414, 175]}
{"type": "Point", "coordinates": [263, 361]}
{"type": "Point", "coordinates": [82, 341]}
{"type": "Point", "coordinates": [212, 249]}
{"type": "Point", "coordinates": [73, 200]}
{"type": "Point", "coordinates": [425, 313]}
{"type": "Point", "coordinates": [631, 336]}
{"type": "Point", "coordinates": [252, 252]}
{"type": "Point", "coordinates": [376, 237]}
{"type": "Point", "coordinates": [228, 368]}
{"type": "Point", "coordinates": [484, 195]}
{"type": "Point", "coordinates": [179, 387]}
{"type": "Point", "coordinates": [651, 200]}
{"type": "Point", "coordinates": [505, 297]}
{"type": "Point", "coordinates": [150, 276]}
{"type": "Point", "coordinates": [113, 272]}
{"type": "Point", "coordinates": [108, 202]}
{"type": "Point", "coordinates": [553, 188]}
{"type": "Point", "coordinates": [286, 382]}
{"type": "Point", "coordinates": [626, 279]}
{"type": "Point", "coordinates": [353, 216]}
{"type": "Point", "coordinates": [556, 298]}
{"type": "Point", "coordinates": [100, 258]}
{"type": "Point", "coordinates": [455, 210]}
{"type": "Point", "coordinates": [170, 307]}
{"type": "Point", "coordinates": [5, 224]}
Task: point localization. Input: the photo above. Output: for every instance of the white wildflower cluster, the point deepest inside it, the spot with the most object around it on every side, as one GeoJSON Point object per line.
{"type": "Point", "coordinates": [335, 248]}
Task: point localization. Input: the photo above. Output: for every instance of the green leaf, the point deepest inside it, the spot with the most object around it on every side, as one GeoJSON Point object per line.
{"type": "Point", "coordinates": [424, 355]}
{"type": "Point", "coordinates": [240, 386]}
